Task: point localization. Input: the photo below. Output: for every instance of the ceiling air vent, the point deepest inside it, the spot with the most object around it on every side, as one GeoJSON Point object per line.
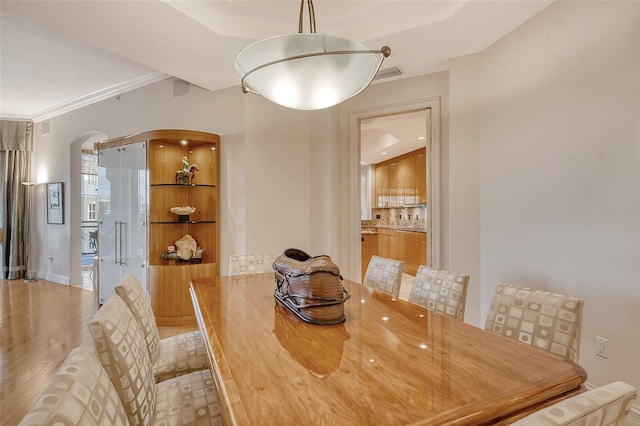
{"type": "Point", "coordinates": [387, 73]}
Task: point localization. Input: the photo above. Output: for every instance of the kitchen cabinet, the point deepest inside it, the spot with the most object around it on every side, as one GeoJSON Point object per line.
{"type": "Point", "coordinates": [423, 248]}
{"type": "Point", "coordinates": [383, 243]}
{"type": "Point", "coordinates": [412, 256]}
{"type": "Point", "coordinates": [410, 184]}
{"type": "Point", "coordinates": [369, 248]}
{"type": "Point", "coordinates": [382, 185]}
{"type": "Point", "coordinates": [407, 246]}
{"type": "Point", "coordinates": [393, 184]}
{"type": "Point", "coordinates": [421, 177]}
{"type": "Point", "coordinates": [401, 180]}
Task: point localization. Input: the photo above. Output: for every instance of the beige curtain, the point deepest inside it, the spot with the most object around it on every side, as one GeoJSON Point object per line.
{"type": "Point", "coordinates": [16, 143]}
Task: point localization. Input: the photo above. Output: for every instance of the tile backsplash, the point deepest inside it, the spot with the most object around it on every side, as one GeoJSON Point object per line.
{"type": "Point", "coordinates": [400, 217]}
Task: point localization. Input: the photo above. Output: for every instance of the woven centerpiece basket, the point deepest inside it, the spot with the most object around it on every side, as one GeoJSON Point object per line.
{"type": "Point", "coordinates": [311, 287]}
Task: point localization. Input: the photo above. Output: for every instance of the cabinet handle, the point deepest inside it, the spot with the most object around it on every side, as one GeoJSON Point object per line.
{"type": "Point", "coordinates": [115, 242]}
{"type": "Point", "coordinates": [123, 242]}
{"type": "Point", "coordinates": [120, 240]}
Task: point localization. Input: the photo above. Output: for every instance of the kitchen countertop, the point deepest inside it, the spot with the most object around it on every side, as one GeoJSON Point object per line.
{"type": "Point", "coordinates": [395, 228]}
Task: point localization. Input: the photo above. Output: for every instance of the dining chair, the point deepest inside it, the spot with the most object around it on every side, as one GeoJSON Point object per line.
{"type": "Point", "coordinates": [79, 393]}
{"type": "Point", "coordinates": [246, 264]}
{"type": "Point", "coordinates": [542, 319]}
{"type": "Point", "coordinates": [385, 275]}
{"type": "Point", "coordinates": [187, 399]}
{"type": "Point", "coordinates": [604, 406]}
{"type": "Point", "coordinates": [172, 356]}
{"type": "Point", "coordinates": [440, 291]}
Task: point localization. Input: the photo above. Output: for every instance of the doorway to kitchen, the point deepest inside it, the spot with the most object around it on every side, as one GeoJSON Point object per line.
{"type": "Point", "coordinates": [396, 184]}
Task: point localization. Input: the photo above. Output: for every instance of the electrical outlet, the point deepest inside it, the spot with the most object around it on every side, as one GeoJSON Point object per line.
{"type": "Point", "coordinates": [601, 347]}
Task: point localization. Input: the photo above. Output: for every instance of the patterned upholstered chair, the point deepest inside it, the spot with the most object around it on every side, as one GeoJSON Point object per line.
{"type": "Point", "coordinates": [187, 399]}
{"type": "Point", "coordinates": [246, 264]}
{"type": "Point", "coordinates": [604, 406]}
{"type": "Point", "coordinates": [384, 275]}
{"type": "Point", "coordinates": [172, 356]}
{"type": "Point", "coordinates": [440, 291]}
{"type": "Point", "coordinates": [80, 393]}
{"type": "Point", "coordinates": [545, 320]}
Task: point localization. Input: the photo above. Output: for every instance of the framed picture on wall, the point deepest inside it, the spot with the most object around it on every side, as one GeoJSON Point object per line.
{"type": "Point", "coordinates": [55, 203]}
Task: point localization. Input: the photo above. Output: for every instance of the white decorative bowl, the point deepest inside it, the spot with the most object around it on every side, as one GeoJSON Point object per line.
{"type": "Point", "coordinates": [183, 210]}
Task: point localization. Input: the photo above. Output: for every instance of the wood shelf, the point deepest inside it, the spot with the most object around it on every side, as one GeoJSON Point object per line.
{"type": "Point", "coordinates": [169, 279]}
{"type": "Point", "coordinates": [191, 222]}
{"type": "Point", "coordinates": [182, 185]}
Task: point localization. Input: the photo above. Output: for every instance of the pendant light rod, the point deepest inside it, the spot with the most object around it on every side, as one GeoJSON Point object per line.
{"type": "Point", "coordinates": [312, 17]}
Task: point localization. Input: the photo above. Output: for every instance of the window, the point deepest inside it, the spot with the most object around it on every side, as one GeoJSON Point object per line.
{"type": "Point", "coordinates": [92, 211]}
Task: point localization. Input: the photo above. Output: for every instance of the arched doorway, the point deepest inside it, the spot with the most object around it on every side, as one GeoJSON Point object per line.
{"type": "Point", "coordinates": [81, 264]}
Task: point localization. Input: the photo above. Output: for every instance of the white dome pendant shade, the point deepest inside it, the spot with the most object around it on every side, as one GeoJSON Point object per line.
{"type": "Point", "coordinates": [308, 71]}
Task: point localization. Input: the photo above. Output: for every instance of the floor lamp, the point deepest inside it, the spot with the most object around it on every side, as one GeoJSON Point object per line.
{"type": "Point", "coordinates": [29, 186]}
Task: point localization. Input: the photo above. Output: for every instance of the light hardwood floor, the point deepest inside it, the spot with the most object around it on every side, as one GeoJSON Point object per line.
{"type": "Point", "coordinates": [40, 322]}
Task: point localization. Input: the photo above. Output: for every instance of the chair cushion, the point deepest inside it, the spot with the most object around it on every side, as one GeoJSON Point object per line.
{"type": "Point", "coordinates": [188, 399]}
{"type": "Point", "coordinates": [80, 393]}
{"type": "Point", "coordinates": [440, 291]}
{"type": "Point", "coordinates": [134, 296]}
{"type": "Point", "coordinates": [123, 353]}
{"type": "Point", "coordinates": [604, 406]}
{"type": "Point", "coordinates": [545, 320]}
{"type": "Point", "coordinates": [180, 354]}
{"type": "Point", "coordinates": [384, 275]}
{"type": "Point", "coordinates": [247, 264]}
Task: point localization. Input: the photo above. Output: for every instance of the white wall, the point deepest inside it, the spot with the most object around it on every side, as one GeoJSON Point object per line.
{"type": "Point", "coordinates": [539, 138]}
{"type": "Point", "coordinates": [148, 108]}
{"type": "Point", "coordinates": [545, 126]}
{"type": "Point", "coordinates": [277, 173]}
{"type": "Point", "coordinates": [267, 203]}
{"type": "Point", "coordinates": [377, 97]}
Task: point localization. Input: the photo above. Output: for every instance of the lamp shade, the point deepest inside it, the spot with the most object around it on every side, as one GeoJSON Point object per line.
{"type": "Point", "coordinates": [308, 71]}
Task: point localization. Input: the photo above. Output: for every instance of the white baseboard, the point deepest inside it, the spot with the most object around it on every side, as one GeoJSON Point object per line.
{"type": "Point", "coordinates": [633, 419]}
{"type": "Point", "coordinates": [57, 279]}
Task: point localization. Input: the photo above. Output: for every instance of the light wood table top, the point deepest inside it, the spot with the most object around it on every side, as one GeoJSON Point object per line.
{"type": "Point", "coordinates": [389, 363]}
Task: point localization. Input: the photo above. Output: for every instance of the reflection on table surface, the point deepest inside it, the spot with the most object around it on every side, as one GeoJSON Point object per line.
{"type": "Point", "coordinates": [389, 363]}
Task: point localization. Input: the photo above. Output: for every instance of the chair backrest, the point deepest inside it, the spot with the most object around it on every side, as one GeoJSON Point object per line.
{"type": "Point", "coordinates": [545, 320]}
{"type": "Point", "coordinates": [130, 290]}
{"type": "Point", "coordinates": [80, 393]}
{"type": "Point", "coordinates": [385, 275]}
{"type": "Point", "coordinates": [123, 353]}
{"type": "Point", "coordinates": [604, 406]}
{"type": "Point", "coordinates": [440, 291]}
{"type": "Point", "coordinates": [246, 264]}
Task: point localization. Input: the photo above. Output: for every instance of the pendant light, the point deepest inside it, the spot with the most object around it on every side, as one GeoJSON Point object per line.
{"type": "Point", "coordinates": [308, 71]}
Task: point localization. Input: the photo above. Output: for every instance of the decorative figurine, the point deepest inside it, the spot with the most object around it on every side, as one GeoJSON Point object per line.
{"type": "Point", "coordinates": [186, 175]}
{"type": "Point", "coordinates": [185, 250]}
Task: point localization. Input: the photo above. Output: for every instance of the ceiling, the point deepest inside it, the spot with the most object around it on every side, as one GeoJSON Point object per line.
{"type": "Point", "coordinates": [383, 138]}
{"type": "Point", "coordinates": [60, 55]}
{"type": "Point", "coordinates": [57, 56]}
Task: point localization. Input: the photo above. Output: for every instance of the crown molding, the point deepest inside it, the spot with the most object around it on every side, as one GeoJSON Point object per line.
{"type": "Point", "coordinates": [93, 97]}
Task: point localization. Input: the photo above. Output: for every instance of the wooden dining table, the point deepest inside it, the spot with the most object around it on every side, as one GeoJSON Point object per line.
{"type": "Point", "coordinates": [390, 362]}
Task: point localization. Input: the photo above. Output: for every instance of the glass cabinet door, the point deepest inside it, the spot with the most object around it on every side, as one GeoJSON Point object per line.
{"type": "Point", "coordinates": [122, 216]}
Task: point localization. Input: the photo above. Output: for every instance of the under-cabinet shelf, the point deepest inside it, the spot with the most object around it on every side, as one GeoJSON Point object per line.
{"type": "Point", "coordinates": [191, 222]}
{"type": "Point", "coordinates": [181, 184]}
